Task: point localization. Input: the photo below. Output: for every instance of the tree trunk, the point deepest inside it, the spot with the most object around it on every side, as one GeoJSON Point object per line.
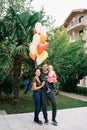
{"type": "Point", "coordinates": [1, 83]}
{"type": "Point", "coordinates": [16, 79]}
{"type": "Point", "coordinates": [0, 90]}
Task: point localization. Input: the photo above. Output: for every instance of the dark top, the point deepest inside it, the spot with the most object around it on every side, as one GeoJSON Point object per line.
{"type": "Point", "coordinates": [43, 77]}
{"type": "Point", "coordinates": [37, 83]}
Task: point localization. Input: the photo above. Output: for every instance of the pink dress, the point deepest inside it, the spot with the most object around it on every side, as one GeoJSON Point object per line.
{"type": "Point", "coordinates": [51, 77]}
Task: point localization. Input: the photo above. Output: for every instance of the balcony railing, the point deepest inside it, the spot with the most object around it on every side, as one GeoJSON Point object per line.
{"type": "Point", "coordinates": [76, 23]}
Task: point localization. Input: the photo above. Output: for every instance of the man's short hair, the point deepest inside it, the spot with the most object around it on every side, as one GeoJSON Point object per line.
{"type": "Point", "coordinates": [44, 63]}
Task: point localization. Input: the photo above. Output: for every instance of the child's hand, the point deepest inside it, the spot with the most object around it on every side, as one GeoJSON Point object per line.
{"type": "Point", "coordinates": [55, 81]}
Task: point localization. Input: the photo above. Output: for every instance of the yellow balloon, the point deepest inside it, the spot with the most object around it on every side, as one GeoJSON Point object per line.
{"type": "Point", "coordinates": [40, 58]}
{"type": "Point", "coordinates": [43, 56]}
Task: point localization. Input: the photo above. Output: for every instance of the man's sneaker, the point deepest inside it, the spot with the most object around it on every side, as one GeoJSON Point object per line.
{"type": "Point", "coordinates": [54, 122]}
{"type": "Point", "coordinates": [46, 122]}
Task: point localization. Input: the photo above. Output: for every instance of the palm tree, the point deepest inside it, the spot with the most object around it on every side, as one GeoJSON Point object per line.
{"type": "Point", "coordinates": [16, 31]}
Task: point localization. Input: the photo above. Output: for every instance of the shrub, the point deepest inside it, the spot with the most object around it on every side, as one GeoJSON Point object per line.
{"type": "Point", "coordinates": [70, 84]}
{"type": "Point", "coordinates": [57, 87]}
{"type": "Point", "coordinates": [82, 90]}
{"type": "Point", "coordinates": [7, 86]}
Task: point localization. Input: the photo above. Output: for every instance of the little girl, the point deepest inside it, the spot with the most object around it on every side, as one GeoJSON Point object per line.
{"type": "Point", "coordinates": [51, 78]}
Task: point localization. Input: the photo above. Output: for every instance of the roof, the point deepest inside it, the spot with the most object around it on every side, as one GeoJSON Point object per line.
{"type": "Point", "coordinates": [72, 14]}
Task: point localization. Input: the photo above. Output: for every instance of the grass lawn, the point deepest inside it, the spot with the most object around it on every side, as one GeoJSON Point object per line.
{"type": "Point", "coordinates": [26, 103]}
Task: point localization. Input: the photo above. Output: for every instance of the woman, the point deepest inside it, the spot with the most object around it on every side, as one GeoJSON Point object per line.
{"type": "Point", "coordinates": [36, 86]}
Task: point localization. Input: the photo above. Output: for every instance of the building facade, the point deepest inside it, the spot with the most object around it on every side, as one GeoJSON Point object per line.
{"type": "Point", "coordinates": [76, 24]}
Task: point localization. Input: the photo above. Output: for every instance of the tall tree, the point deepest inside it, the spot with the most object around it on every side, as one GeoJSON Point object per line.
{"type": "Point", "coordinates": [16, 31]}
{"type": "Point", "coordinates": [68, 59]}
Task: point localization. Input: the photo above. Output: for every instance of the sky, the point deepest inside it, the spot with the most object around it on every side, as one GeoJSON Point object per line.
{"type": "Point", "coordinates": [59, 9]}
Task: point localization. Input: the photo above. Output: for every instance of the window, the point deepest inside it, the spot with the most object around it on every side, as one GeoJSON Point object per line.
{"type": "Point", "coordinates": [81, 32]}
{"type": "Point", "coordinates": [80, 19]}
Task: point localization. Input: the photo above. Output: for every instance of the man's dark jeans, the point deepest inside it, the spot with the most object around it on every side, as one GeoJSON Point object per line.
{"type": "Point", "coordinates": [51, 97]}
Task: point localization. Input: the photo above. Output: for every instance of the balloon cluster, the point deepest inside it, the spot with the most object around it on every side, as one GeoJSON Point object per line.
{"type": "Point", "coordinates": [38, 46]}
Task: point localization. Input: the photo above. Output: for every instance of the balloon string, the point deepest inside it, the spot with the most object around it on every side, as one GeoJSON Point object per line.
{"type": "Point", "coordinates": [35, 64]}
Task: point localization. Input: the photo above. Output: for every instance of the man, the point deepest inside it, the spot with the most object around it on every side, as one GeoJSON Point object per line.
{"type": "Point", "coordinates": [48, 95]}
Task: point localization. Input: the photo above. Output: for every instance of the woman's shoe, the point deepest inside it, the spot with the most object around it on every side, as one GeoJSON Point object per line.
{"type": "Point", "coordinates": [38, 122]}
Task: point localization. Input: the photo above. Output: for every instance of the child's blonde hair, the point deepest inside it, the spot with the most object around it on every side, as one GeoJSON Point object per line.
{"type": "Point", "coordinates": [50, 67]}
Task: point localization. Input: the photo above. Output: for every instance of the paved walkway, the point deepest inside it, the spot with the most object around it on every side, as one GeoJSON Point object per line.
{"type": "Point", "coordinates": [3, 112]}
{"type": "Point", "coordinates": [68, 119]}
{"type": "Point", "coordinates": [76, 96]}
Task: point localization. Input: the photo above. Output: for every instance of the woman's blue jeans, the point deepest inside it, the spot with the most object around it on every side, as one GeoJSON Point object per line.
{"type": "Point", "coordinates": [37, 100]}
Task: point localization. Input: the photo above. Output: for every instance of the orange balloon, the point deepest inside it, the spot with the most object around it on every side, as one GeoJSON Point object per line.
{"type": "Point", "coordinates": [32, 56]}
{"type": "Point", "coordinates": [45, 46]}
{"type": "Point", "coordinates": [42, 47]}
{"type": "Point", "coordinates": [35, 32]}
{"type": "Point", "coordinates": [43, 38]}
{"type": "Point", "coordinates": [36, 54]}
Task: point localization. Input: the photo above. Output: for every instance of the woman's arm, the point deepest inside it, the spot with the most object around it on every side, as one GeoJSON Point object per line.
{"type": "Point", "coordinates": [34, 87]}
